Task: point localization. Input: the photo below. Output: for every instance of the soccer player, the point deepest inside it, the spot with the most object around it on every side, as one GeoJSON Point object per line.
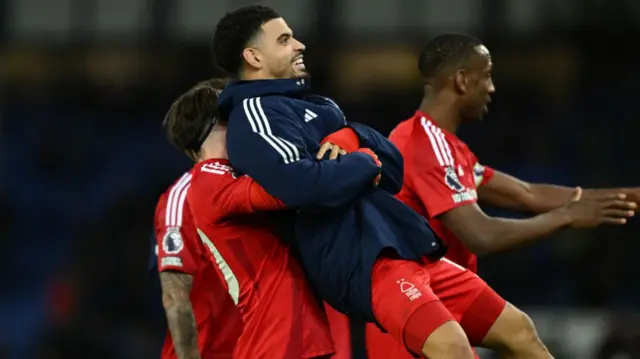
{"type": "Point", "coordinates": [203, 320]}
{"type": "Point", "coordinates": [443, 178]}
{"type": "Point", "coordinates": [238, 222]}
{"type": "Point", "coordinates": [361, 247]}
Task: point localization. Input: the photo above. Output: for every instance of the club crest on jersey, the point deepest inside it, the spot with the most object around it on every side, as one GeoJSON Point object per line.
{"type": "Point", "coordinates": [172, 242]}
{"type": "Point", "coordinates": [452, 180]}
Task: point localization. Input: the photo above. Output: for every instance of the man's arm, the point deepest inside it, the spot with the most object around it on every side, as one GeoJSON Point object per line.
{"type": "Point", "coordinates": [216, 184]}
{"type": "Point", "coordinates": [484, 234]}
{"type": "Point", "coordinates": [177, 261]}
{"type": "Point", "coordinates": [266, 145]}
{"type": "Point", "coordinates": [506, 191]}
{"type": "Point", "coordinates": [176, 287]}
{"type": "Point", "coordinates": [388, 154]}
{"type": "Point", "coordinates": [440, 192]}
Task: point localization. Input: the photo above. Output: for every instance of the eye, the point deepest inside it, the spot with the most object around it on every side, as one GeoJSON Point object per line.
{"type": "Point", "coordinates": [284, 39]}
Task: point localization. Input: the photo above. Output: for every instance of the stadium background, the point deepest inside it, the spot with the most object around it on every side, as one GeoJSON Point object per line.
{"type": "Point", "coordinates": [86, 84]}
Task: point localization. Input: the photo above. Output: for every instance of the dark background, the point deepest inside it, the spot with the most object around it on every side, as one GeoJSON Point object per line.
{"type": "Point", "coordinates": [86, 84]}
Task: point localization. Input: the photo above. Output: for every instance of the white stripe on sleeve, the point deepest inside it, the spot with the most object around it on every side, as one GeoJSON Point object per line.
{"type": "Point", "coordinates": [175, 203]}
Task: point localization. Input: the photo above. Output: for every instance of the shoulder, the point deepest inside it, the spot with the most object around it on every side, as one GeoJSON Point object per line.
{"type": "Point", "coordinates": [253, 106]}
{"type": "Point", "coordinates": [173, 199]}
{"type": "Point", "coordinates": [211, 173]}
{"type": "Point", "coordinates": [256, 114]}
{"type": "Point", "coordinates": [173, 220]}
{"type": "Point", "coordinates": [429, 144]}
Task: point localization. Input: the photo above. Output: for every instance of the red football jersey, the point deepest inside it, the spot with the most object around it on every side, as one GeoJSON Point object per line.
{"type": "Point", "coordinates": [441, 173]}
{"type": "Point", "coordinates": [282, 318]}
{"type": "Point", "coordinates": [180, 249]}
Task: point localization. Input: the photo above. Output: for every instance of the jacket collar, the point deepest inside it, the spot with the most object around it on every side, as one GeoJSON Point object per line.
{"type": "Point", "coordinates": [237, 91]}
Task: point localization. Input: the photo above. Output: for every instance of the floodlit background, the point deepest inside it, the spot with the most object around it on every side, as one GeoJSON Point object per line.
{"type": "Point", "coordinates": [86, 83]}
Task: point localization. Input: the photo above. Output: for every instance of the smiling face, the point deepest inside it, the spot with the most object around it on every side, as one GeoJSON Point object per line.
{"type": "Point", "coordinates": [275, 53]}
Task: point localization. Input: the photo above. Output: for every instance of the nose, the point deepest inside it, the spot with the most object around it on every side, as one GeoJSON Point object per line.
{"type": "Point", "coordinates": [492, 87]}
{"type": "Point", "coordinates": [298, 46]}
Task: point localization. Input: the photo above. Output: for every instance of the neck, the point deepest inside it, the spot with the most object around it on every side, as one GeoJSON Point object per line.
{"type": "Point", "coordinates": [215, 146]}
{"type": "Point", "coordinates": [255, 75]}
{"type": "Point", "coordinates": [441, 110]}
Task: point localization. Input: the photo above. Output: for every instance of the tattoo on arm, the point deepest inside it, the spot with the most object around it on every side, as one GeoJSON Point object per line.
{"type": "Point", "coordinates": [176, 287]}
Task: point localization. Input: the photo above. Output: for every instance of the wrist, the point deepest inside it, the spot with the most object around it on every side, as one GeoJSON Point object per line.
{"type": "Point", "coordinates": [563, 216]}
{"type": "Point", "coordinates": [589, 193]}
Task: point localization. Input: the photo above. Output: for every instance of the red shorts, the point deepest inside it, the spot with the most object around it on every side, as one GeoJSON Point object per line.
{"type": "Point", "coordinates": [411, 300]}
{"type": "Point", "coordinates": [340, 332]}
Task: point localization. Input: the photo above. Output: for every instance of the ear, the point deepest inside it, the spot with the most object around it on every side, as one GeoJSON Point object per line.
{"type": "Point", "coordinates": [460, 81]}
{"type": "Point", "coordinates": [252, 57]}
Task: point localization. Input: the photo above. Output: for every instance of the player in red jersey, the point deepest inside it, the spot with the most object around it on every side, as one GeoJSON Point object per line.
{"type": "Point", "coordinates": [443, 179]}
{"type": "Point", "coordinates": [281, 316]}
{"type": "Point", "coordinates": [203, 320]}
{"type": "Point", "coordinates": [202, 317]}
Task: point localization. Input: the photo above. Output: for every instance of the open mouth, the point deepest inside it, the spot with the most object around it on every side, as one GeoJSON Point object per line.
{"type": "Point", "coordinates": [298, 63]}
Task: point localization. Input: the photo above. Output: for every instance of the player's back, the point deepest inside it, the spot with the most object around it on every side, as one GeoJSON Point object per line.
{"type": "Point", "coordinates": [179, 249]}
{"type": "Point", "coordinates": [441, 173]}
{"type": "Point", "coordinates": [282, 317]}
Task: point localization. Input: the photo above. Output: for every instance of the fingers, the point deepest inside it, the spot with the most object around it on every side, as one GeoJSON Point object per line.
{"type": "Point", "coordinates": [323, 150]}
{"type": "Point", "coordinates": [618, 213]}
{"type": "Point", "coordinates": [614, 221]}
{"type": "Point", "coordinates": [612, 197]}
{"type": "Point", "coordinates": [619, 204]}
{"type": "Point", "coordinates": [335, 152]}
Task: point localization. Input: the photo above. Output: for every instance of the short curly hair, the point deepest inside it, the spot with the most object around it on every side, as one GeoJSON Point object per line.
{"type": "Point", "coordinates": [192, 115]}
{"type": "Point", "coordinates": [234, 32]}
{"type": "Point", "coordinates": [445, 51]}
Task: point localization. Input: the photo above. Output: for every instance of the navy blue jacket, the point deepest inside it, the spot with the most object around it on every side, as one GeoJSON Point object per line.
{"type": "Point", "coordinates": [343, 222]}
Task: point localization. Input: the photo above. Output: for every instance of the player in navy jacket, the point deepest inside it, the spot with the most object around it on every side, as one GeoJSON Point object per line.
{"type": "Point", "coordinates": [343, 220]}
{"type": "Point", "coordinates": [363, 249]}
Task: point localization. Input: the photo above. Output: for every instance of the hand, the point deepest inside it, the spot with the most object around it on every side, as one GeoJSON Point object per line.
{"type": "Point", "coordinates": [606, 208]}
{"type": "Point", "coordinates": [632, 193]}
{"type": "Point", "coordinates": [346, 138]}
{"type": "Point", "coordinates": [334, 150]}
{"type": "Point", "coordinates": [377, 179]}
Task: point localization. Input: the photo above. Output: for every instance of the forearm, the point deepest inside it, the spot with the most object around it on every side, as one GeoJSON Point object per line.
{"type": "Point", "coordinates": [500, 234]}
{"type": "Point", "coordinates": [526, 197]}
{"type": "Point", "coordinates": [506, 191]}
{"type": "Point", "coordinates": [506, 234]}
{"type": "Point", "coordinates": [180, 317]}
{"type": "Point", "coordinates": [182, 325]}
{"type": "Point", "coordinates": [547, 197]}
{"type": "Point", "coordinates": [307, 183]}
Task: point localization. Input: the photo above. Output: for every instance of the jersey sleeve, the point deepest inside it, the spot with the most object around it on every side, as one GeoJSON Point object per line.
{"type": "Point", "coordinates": [216, 186]}
{"type": "Point", "coordinates": [266, 144]}
{"type": "Point", "coordinates": [176, 239]}
{"type": "Point", "coordinates": [433, 177]}
{"type": "Point", "coordinates": [482, 174]}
